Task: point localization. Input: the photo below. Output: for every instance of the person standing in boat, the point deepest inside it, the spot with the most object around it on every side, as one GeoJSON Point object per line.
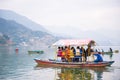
{"type": "Point", "coordinates": [111, 50]}
{"type": "Point", "coordinates": [72, 54]}
{"type": "Point", "coordinates": [59, 52]}
{"type": "Point", "coordinates": [67, 53]}
{"type": "Point", "coordinates": [78, 55]}
{"type": "Point", "coordinates": [89, 52]}
{"type": "Point", "coordinates": [63, 57]}
{"type": "Point", "coordinates": [83, 54]}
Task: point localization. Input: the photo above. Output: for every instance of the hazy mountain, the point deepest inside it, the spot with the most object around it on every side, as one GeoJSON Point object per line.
{"type": "Point", "coordinates": [21, 29]}
{"type": "Point", "coordinates": [19, 33]}
{"type": "Point", "coordinates": [10, 15]}
{"type": "Point", "coordinates": [103, 36]}
{"type": "Point", "coordinates": [106, 36]}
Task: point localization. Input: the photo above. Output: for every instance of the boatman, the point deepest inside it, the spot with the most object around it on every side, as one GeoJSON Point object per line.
{"type": "Point", "coordinates": [99, 57]}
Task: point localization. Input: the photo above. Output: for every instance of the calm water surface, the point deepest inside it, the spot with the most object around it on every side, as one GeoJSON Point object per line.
{"type": "Point", "coordinates": [21, 66]}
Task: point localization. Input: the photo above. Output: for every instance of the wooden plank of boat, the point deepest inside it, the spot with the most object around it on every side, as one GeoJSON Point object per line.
{"type": "Point", "coordinates": [73, 64]}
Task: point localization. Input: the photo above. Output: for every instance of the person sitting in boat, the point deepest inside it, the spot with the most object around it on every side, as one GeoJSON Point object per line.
{"type": "Point", "coordinates": [98, 57]}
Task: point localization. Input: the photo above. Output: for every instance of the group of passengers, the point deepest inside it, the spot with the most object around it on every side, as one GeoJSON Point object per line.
{"type": "Point", "coordinates": [78, 54]}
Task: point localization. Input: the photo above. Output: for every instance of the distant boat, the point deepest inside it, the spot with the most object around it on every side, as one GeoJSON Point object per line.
{"type": "Point", "coordinates": [36, 52]}
{"type": "Point", "coordinates": [116, 51]}
{"type": "Point", "coordinates": [108, 53]}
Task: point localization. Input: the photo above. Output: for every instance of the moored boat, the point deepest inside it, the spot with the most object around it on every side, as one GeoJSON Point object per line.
{"type": "Point", "coordinates": [36, 52]}
{"type": "Point", "coordinates": [107, 52]}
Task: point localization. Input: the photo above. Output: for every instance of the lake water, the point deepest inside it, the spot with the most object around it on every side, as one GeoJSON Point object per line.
{"type": "Point", "coordinates": [21, 66]}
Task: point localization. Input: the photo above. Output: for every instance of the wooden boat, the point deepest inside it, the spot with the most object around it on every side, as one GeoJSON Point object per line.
{"type": "Point", "coordinates": [55, 63]}
{"type": "Point", "coordinates": [108, 52]}
{"type": "Point", "coordinates": [36, 52]}
{"type": "Point", "coordinates": [116, 51]}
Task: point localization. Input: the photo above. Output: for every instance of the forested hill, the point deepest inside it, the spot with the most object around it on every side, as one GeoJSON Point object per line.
{"type": "Point", "coordinates": [18, 33]}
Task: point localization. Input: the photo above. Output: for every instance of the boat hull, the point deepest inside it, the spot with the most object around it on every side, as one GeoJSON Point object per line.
{"type": "Point", "coordinates": [73, 64]}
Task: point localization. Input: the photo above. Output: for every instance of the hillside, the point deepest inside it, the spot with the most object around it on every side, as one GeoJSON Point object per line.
{"type": "Point", "coordinates": [18, 33]}
{"type": "Point", "coordinates": [10, 15]}
{"type": "Point", "coordinates": [4, 39]}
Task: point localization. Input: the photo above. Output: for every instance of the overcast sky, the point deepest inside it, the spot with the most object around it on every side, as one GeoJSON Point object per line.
{"type": "Point", "coordinates": [64, 16]}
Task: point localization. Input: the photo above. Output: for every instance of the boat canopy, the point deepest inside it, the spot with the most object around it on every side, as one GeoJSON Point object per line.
{"type": "Point", "coordinates": [74, 42]}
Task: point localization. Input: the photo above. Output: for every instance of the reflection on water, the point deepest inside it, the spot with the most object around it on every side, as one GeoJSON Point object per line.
{"type": "Point", "coordinates": [21, 66]}
{"type": "Point", "coordinates": [74, 74]}
{"type": "Point", "coordinates": [78, 73]}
